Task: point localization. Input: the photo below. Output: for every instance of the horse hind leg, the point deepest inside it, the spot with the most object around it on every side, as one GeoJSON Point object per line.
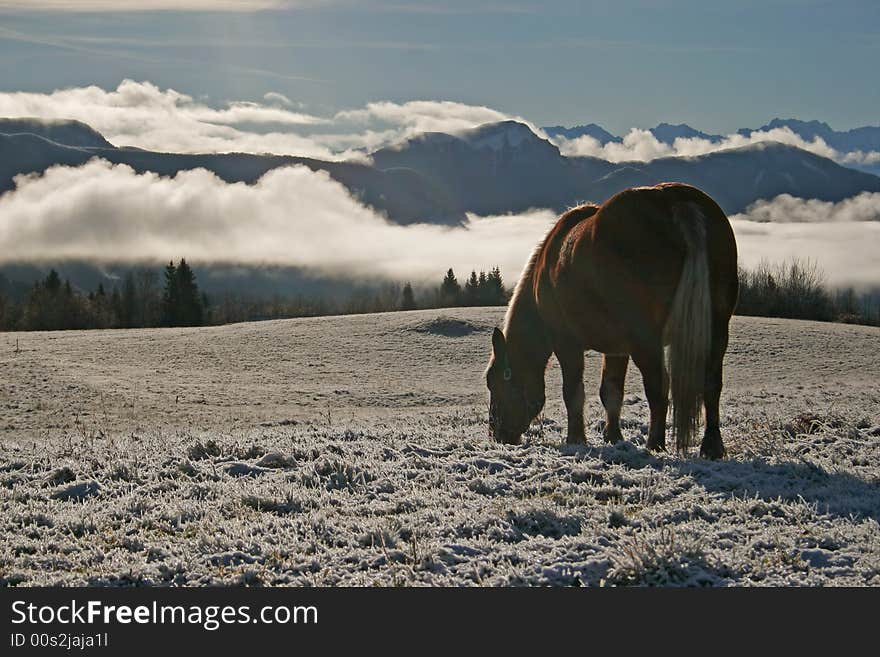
{"type": "Point", "coordinates": [611, 394]}
{"type": "Point", "coordinates": [656, 379]}
{"type": "Point", "coordinates": [712, 446]}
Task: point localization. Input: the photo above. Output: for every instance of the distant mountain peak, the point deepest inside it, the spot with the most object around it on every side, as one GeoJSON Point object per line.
{"type": "Point", "coordinates": [669, 132]}
{"type": "Point", "coordinates": [67, 132]}
{"type": "Point", "coordinates": [496, 136]}
{"type": "Point", "coordinates": [593, 130]}
{"type": "Point", "coordinates": [499, 135]}
{"type": "Point", "coordinates": [865, 138]}
{"type": "Point", "coordinates": [798, 124]}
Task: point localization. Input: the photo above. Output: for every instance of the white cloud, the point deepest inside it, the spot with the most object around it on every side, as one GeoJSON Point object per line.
{"type": "Point", "coordinates": [423, 115]}
{"type": "Point", "coordinates": [143, 115]}
{"type": "Point", "coordinates": [642, 146]}
{"type": "Point", "coordinates": [140, 114]}
{"type": "Point", "coordinates": [841, 237]}
{"type": "Point", "coordinates": [278, 99]}
{"type": "Point", "coordinates": [791, 209]}
{"type": "Point", "coordinates": [296, 217]}
{"type": "Point", "coordinates": [292, 216]}
{"type": "Point", "coordinates": [638, 145]}
{"type": "Point", "coordinates": [861, 157]}
{"type": "Point", "coordinates": [248, 112]}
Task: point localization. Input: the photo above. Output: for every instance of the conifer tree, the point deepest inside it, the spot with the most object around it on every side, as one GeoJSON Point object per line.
{"type": "Point", "coordinates": [496, 295]}
{"type": "Point", "coordinates": [482, 290]}
{"type": "Point", "coordinates": [52, 284]}
{"type": "Point", "coordinates": [182, 305]}
{"type": "Point", "coordinates": [471, 290]}
{"type": "Point", "coordinates": [408, 301]}
{"type": "Point", "coordinates": [170, 296]}
{"type": "Point", "coordinates": [190, 310]}
{"type": "Point", "coordinates": [450, 290]}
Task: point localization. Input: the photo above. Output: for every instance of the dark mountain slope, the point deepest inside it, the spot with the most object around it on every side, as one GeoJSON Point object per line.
{"type": "Point", "coordinates": [66, 132]}
{"type": "Point", "coordinates": [406, 196]}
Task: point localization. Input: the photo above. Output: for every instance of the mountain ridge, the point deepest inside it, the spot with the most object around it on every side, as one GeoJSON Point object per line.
{"type": "Point", "coordinates": [864, 138]}
{"type": "Point", "coordinates": [494, 168]}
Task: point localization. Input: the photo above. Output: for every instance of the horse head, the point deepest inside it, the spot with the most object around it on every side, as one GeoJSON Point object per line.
{"type": "Point", "coordinates": [515, 395]}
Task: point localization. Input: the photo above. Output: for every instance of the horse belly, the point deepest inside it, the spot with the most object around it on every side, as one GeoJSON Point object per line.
{"type": "Point", "coordinates": [616, 316]}
{"type": "Point", "coordinates": [594, 328]}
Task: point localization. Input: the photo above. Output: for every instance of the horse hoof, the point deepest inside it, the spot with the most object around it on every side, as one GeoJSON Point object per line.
{"type": "Point", "coordinates": [712, 447]}
{"type": "Point", "coordinates": [713, 451]}
{"type": "Point", "coordinates": [657, 446]}
{"type": "Point", "coordinates": [612, 436]}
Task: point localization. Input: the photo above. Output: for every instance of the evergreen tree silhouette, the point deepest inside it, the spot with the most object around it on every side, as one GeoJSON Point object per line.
{"type": "Point", "coordinates": [408, 301]}
{"type": "Point", "coordinates": [450, 290]}
{"type": "Point", "coordinates": [52, 284]}
{"type": "Point", "coordinates": [43, 311]}
{"type": "Point", "coordinates": [496, 295]}
{"type": "Point", "coordinates": [190, 310]}
{"type": "Point", "coordinates": [182, 305]}
{"type": "Point", "coordinates": [471, 290]}
{"type": "Point", "coordinates": [482, 290]}
{"type": "Point", "coordinates": [170, 296]}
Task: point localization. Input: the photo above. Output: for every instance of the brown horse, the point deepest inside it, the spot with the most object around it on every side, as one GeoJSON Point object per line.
{"type": "Point", "coordinates": [653, 266]}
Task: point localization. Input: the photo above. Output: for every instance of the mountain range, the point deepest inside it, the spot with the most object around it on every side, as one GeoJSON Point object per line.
{"type": "Point", "coordinates": [865, 139]}
{"type": "Point", "coordinates": [435, 177]}
{"type": "Point", "coordinates": [666, 133]}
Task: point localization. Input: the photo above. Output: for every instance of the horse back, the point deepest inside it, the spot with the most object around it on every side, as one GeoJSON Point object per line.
{"type": "Point", "coordinates": [608, 275]}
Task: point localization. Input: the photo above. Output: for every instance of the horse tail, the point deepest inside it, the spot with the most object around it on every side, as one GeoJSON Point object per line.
{"type": "Point", "coordinates": [689, 327]}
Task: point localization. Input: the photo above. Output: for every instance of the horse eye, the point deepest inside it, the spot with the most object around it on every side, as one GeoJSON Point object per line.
{"type": "Point", "coordinates": [508, 374]}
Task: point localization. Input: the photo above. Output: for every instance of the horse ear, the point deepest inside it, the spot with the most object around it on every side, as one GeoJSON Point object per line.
{"type": "Point", "coordinates": [498, 344]}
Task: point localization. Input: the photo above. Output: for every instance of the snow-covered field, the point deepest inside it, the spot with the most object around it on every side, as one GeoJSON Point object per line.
{"type": "Point", "coordinates": [353, 451]}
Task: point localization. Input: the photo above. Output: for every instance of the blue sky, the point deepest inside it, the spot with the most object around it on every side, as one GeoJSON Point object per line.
{"type": "Point", "coordinates": [716, 65]}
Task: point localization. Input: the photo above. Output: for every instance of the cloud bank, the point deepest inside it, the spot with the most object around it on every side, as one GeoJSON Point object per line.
{"type": "Point", "coordinates": [786, 208]}
{"type": "Point", "coordinates": [291, 217]}
{"type": "Point", "coordinates": [641, 146]}
{"type": "Point", "coordinates": [841, 237]}
{"type": "Point", "coordinates": [297, 217]}
{"type": "Point", "coordinates": [143, 115]}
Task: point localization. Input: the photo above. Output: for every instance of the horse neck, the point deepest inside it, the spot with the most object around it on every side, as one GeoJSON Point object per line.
{"type": "Point", "coordinates": [527, 341]}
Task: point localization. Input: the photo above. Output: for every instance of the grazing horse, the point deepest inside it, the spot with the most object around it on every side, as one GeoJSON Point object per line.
{"type": "Point", "coordinates": [652, 266]}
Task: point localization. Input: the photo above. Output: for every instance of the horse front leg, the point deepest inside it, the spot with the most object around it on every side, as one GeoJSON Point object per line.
{"type": "Point", "coordinates": [571, 360]}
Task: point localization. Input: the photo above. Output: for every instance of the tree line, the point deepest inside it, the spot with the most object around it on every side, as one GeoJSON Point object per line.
{"type": "Point", "coordinates": [137, 302]}
{"type": "Point", "coordinates": [145, 298]}
{"type": "Point", "coordinates": [797, 290]}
